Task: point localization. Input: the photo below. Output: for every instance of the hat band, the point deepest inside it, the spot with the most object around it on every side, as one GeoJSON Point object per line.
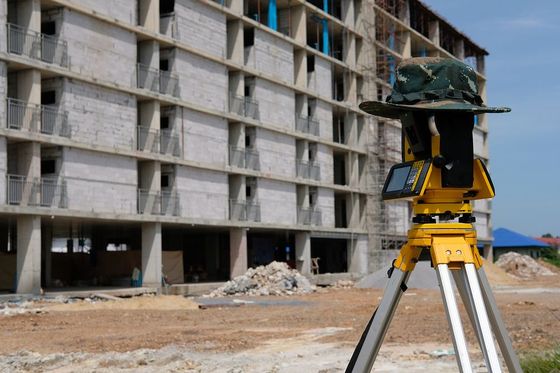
{"type": "Point", "coordinates": [434, 95]}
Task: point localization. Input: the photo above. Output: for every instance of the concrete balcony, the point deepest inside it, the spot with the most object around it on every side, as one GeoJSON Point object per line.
{"type": "Point", "coordinates": [307, 125]}
{"type": "Point", "coordinates": [309, 216]}
{"type": "Point", "coordinates": [308, 170]}
{"type": "Point", "coordinates": [244, 158]}
{"type": "Point", "coordinates": [244, 210]}
{"type": "Point", "coordinates": [244, 106]}
{"type": "Point", "coordinates": [156, 80]}
{"type": "Point", "coordinates": [154, 141]}
{"type": "Point", "coordinates": [33, 44]}
{"type": "Point", "coordinates": [158, 203]}
{"type": "Point", "coordinates": [43, 119]}
{"type": "Point", "coordinates": [43, 192]}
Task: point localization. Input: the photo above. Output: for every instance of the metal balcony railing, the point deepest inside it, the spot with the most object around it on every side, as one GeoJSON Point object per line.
{"type": "Point", "coordinates": [170, 203]}
{"type": "Point", "coordinates": [37, 118]}
{"type": "Point", "coordinates": [307, 125]}
{"type": "Point", "coordinates": [243, 105]}
{"type": "Point", "coordinates": [309, 216]}
{"type": "Point", "coordinates": [308, 170]}
{"type": "Point", "coordinates": [244, 158]}
{"type": "Point", "coordinates": [168, 83]}
{"type": "Point", "coordinates": [158, 203]}
{"type": "Point", "coordinates": [157, 80]}
{"type": "Point", "coordinates": [45, 192]}
{"type": "Point", "coordinates": [147, 139]}
{"type": "Point", "coordinates": [147, 77]}
{"type": "Point", "coordinates": [169, 143]}
{"type": "Point", "coordinates": [33, 44]}
{"type": "Point", "coordinates": [244, 210]}
{"type": "Point", "coordinates": [149, 202]}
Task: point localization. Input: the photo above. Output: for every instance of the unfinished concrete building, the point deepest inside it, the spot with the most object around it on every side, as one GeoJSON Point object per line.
{"type": "Point", "coordinates": [193, 139]}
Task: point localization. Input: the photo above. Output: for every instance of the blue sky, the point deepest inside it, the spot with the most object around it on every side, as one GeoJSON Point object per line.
{"type": "Point", "coordinates": [523, 71]}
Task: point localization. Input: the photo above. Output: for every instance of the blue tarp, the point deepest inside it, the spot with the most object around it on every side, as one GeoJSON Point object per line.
{"type": "Point", "coordinates": [505, 238]}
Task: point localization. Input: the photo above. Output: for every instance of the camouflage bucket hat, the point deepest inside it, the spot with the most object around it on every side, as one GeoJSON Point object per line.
{"type": "Point", "coordinates": [432, 84]}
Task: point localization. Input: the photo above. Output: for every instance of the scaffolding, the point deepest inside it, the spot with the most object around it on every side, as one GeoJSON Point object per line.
{"type": "Point", "coordinates": [385, 223]}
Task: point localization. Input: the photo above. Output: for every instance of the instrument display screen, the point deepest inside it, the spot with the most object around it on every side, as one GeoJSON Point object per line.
{"type": "Point", "coordinates": [406, 179]}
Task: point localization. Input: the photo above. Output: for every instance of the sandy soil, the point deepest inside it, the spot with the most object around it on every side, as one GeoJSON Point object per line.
{"type": "Point", "coordinates": [311, 333]}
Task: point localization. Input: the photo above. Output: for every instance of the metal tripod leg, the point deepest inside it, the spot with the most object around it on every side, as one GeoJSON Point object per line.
{"type": "Point", "coordinates": [453, 318]}
{"type": "Point", "coordinates": [492, 363]}
{"type": "Point", "coordinates": [374, 334]}
{"type": "Point", "coordinates": [461, 282]}
{"type": "Point", "coordinates": [510, 357]}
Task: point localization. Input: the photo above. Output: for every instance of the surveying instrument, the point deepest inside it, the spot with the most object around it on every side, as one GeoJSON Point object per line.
{"type": "Point", "coordinates": [436, 101]}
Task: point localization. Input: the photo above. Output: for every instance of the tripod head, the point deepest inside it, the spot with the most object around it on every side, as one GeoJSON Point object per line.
{"type": "Point", "coordinates": [439, 170]}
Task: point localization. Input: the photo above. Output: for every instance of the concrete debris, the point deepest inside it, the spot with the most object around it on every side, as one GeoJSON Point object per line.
{"type": "Point", "coordinates": [274, 279]}
{"type": "Point", "coordinates": [342, 284]}
{"type": "Point", "coordinates": [522, 266]}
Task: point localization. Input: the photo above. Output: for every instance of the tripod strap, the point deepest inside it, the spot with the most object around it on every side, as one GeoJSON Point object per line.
{"type": "Point", "coordinates": [357, 350]}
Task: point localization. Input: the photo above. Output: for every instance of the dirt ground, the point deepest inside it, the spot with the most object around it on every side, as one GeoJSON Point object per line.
{"type": "Point", "coordinates": [319, 330]}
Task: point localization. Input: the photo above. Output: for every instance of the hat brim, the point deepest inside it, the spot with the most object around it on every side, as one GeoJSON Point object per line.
{"type": "Point", "coordinates": [389, 110]}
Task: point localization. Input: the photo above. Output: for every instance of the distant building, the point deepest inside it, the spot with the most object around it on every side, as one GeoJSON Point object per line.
{"type": "Point", "coordinates": [506, 240]}
{"type": "Point", "coordinates": [553, 242]}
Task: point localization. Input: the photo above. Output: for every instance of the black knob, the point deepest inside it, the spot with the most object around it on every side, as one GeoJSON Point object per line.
{"type": "Point", "coordinates": [439, 161]}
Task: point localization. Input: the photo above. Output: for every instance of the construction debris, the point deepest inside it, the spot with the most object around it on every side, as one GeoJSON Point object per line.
{"type": "Point", "coordinates": [274, 279]}
{"type": "Point", "coordinates": [342, 284]}
{"type": "Point", "coordinates": [522, 266]}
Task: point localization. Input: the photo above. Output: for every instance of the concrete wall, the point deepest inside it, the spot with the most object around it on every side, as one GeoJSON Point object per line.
{"type": "Point", "coordinates": [123, 10]}
{"type": "Point", "coordinates": [481, 225]}
{"type": "Point", "coordinates": [99, 182]}
{"type": "Point", "coordinates": [201, 81]}
{"type": "Point", "coordinates": [205, 137]}
{"type": "Point", "coordinates": [323, 113]}
{"type": "Point", "coordinates": [325, 201]}
{"type": "Point", "coordinates": [322, 77]}
{"type": "Point", "coordinates": [98, 49]}
{"type": "Point", "coordinates": [276, 104]}
{"type": "Point", "coordinates": [325, 159]}
{"type": "Point", "coordinates": [272, 56]}
{"type": "Point", "coordinates": [276, 153]}
{"type": "Point", "coordinates": [478, 141]}
{"type": "Point", "coordinates": [278, 201]}
{"type": "Point", "coordinates": [203, 194]}
{"type": "Point", "coordinates": [97, 115]}
{"type": "Point", "coordinates": [201, 26]}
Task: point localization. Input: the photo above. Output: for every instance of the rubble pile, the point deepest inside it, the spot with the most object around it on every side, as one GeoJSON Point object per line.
{"type": "Point", "coordinates": [522, 266]}
{"type": "Point", "coordinates": [274, 279]}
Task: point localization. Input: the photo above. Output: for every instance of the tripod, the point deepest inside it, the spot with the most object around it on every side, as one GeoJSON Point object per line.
{"type": "Point", "coordinates": [454, 254]}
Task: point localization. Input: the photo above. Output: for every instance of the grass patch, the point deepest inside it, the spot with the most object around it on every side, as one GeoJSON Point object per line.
{"type": "Point", "coordinates": [548, 362]}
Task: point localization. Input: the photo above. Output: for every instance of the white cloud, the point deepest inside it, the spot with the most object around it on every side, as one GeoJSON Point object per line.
{"type": "Point", "coordinates": [527, 23]}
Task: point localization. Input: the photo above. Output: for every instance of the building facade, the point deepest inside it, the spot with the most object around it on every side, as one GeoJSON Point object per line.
{"type": "Point", "coordinates": [195, 138]}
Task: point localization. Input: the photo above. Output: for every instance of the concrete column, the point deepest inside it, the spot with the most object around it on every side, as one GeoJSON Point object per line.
{"type": "Point", "coordinates": [348, 12]}
{"type": "Point", "coordinates": [235, 49]}
{"type": "Point", "coordinates": [236, 6]}
{"type": "Point", "coordinates": [148, 53]}
{"type": "Point", "coordinates": [488, 253]}
{"type": "Point", "coordinates": [300, 68]}
{"type": "Point", "coordinates": [29, 14]}
{"type": "Point", "coordinates": [459, 49]}
{"type": "Point", "coordinates": [148, 14]}
{"type": "Point", "coordinates": [349, 48]}
{"type": "Point", "coordinates": [237, 84]}
{"type": "Point", "coordinates": [237, 135]}
{"type": "Point", "coordinates": [433, 32]}
{"type": "Point", "coordinates": [46, 244]}
{"type": "Point", "coordinates": [303, 253]}
{"type": "Point", "coordinates": [357, 255]}
{"type": "Point", "coordinates": [151, 254]}
{"type": "Point", "coordinates": [299, 24]}
{"type": "Point", "coordinates": [352, 210]}
{"type": "Point", "coordinates": [237, 251]}
{"type": "Point", "coordinates": [28, 270]}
